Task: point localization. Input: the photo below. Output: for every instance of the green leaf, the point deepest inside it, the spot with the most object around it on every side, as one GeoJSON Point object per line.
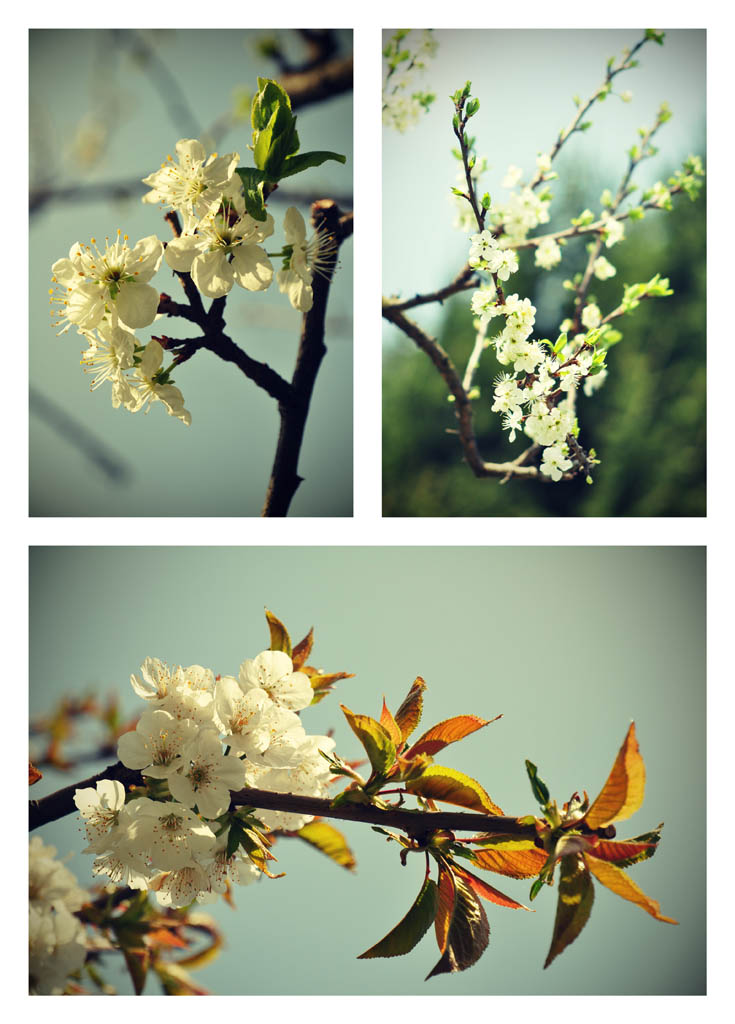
{"type": "Point", "coordinates": [280, 640]}
{"type": "Point", "coordinates": [379, 747]}
{"type": "Point", "coordinates": [274, 128]}
{"type": "Point", "coordinates": [576, 896]}
{"type": "Point", "coordinates": [301, 162]}
{"type": "Point", "coordinates": [411, 929]}
{"type": "Point", "coordinates": [468, 931]}
{"type": "Point", "coordinates": [253, 181]}
{"type": "Point", "coordinates": [539, 787]}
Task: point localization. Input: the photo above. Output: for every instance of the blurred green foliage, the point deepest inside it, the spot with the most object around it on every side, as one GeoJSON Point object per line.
{"type": "Point", "coordinates": [647, 422]}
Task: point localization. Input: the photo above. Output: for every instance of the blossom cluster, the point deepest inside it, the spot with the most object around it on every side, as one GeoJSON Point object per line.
{"type": "Point", "coordinates": [200, 739]}
{"type": "Point", "coordinates": [104, 291]}
{"type": "Point", "coordinates": [406, 54]}
{"type": "Point", "coordinates": [56, 938]}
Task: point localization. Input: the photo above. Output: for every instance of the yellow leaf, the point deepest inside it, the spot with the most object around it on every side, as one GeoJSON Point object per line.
{"type": "Point", "coordinates": [617, 881]}
{"type": "Point", "coordinates": [376, 740]}
{"type": "Point", "coordinates": [408, 715]}
{"type": "Point", "coordinates": [622, 794]}
{"type": "Point", "coordinates": [329, 841]}
{"type": "Point", "coordinates": [449, 731]}
{"type": "Point", "coordinates": [438, 783]}
{"type": "Point", "coordinates": [280, 640]}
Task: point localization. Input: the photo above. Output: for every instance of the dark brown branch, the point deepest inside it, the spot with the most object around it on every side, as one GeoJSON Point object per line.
{"type": "Point", "coordinates": [462, 404]}
{"type": "Point", "coordinates": [465, 279]}
{"type": "Point", "coordinates": [320, 83]}
{"type": "Point", "coordinates": [58, 805]}
{"type": "Point", "coordinates": [285, 479]}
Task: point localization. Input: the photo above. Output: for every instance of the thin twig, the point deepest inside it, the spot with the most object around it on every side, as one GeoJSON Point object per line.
{"type": "Point", "coordinates": [465, 279]}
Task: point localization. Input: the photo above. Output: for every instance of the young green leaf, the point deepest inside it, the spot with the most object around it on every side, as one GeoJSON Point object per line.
{"type": "Point", "coordinates": [411, 929]}
{"type": "Point", "coordinates": [539, 787]}
{"type": "Point", "coordinates": [302, 161]}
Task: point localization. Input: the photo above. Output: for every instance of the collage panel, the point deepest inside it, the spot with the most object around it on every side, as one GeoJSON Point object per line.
{"type": "Point", "coordinates": [196, 246]}
{"type": "Point", "coordinates": [544, 273]}
{"type": "Point", "coordinates": [245, 796]}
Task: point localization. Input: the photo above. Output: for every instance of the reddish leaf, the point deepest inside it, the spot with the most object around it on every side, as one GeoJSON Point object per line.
{"type": "Point", "coordinates": [573, 908]}
{"type": "Point", "coordinates": [449, 731]}
{"type": "Point", "coordinates": [33, 774]}
{"type": "Point", "coordinates": [468, 932]}
{"type": "Point", "coordinates": [630, 852]}
{"type": "Point", "coordinates": [622, 794]}
{"type": "Point", "coordinates": [438, 783]}
{"type": "Point", "coordinates": [411, 929]}
{"type": "Point", "coordinates": [445, 906]}
{"type": "Point", "coordinates": [618, 882]}
{"type": "Point", "coordinates": [280, 640]}
{"type": "Point", "coordinates": [408, 715]}
{"type": "Point", "coordinates": [487, 892]}
{"type": "Point", "coordinates": [390, 725]}
{"type": "Point", "coordinates": [166, 937]}
{"type": "Point", "coordinates": [302, 650]}
{"type": "Point", "coordinates": [516, 858]}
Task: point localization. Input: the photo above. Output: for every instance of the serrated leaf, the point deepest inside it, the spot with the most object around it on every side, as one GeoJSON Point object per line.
{"type": "Point", "coordinates": [302, 161]}
{"type": "Point", "coordinates": [253, 182]}
{"type": "Point", "coordinates": [411, 929]}
{"type": "Point", "coordinates": [487, 892]}
{"type": "Point", "coordinates": [408, 715]}
{"type": "Point", "coordinates": [453, 787]}
{"type": "Point", "coordinates": [623, 792]}
{"type": "Point", "coordinates": [623, 853]}
{"type": "Point", "coordinates": [379, 747]}
{"type": "Point", "coordinates": [280, 640]}
{"type": "Point", "coordinates": [389, 724]}
{"type": "Point", "coordinates": [517, 858]}
{"type": "Point", "coordinates": [574, 905]}
{"type": "Point", "coordinates": [446, 732]}
{"type": "Point", "coordinates": [329, 841]}
{"type": "Point", "coordinates": [302, 650]}
{"type": "Point", "coordinates": [613, 878]}
{"type": "Point", "coordinates": [468, 931]}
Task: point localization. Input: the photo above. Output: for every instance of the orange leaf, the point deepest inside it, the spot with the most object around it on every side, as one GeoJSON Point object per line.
{"type": "Point", "coordinates": [408, 715]}
{"type": "Point", "coordinates": [449, 731]}
{"type": "Point", "coordinates": [302, 650]}
{"type": "Point", "coordinates": [622, 794]}
{"type": "Point", "coordinates": [280, 640]}
{"type": "Point", "coordinates": [487, 891]}
{"type": "Point", "coordinates": [33, 774]}
{"type": "Point", "coordinates": [389, 724]}
{"type": "Point", "coordinates": [438, 783]}
{"type": "Point", "coordinates": [518, 860]}
{"type": "Point", "coordinates": [618, 882]}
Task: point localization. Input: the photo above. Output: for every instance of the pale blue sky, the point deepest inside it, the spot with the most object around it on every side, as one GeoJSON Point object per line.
{"type": "Point", "coordinates": [569, 644]}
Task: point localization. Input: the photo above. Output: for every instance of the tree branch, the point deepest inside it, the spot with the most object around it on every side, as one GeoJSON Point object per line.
{"type": "Point", "coordinates": [58, 805]}
{"type": "Point", "coordinates": [465, 279]}
{"type": "Point", "coordinates": [284, 480]}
